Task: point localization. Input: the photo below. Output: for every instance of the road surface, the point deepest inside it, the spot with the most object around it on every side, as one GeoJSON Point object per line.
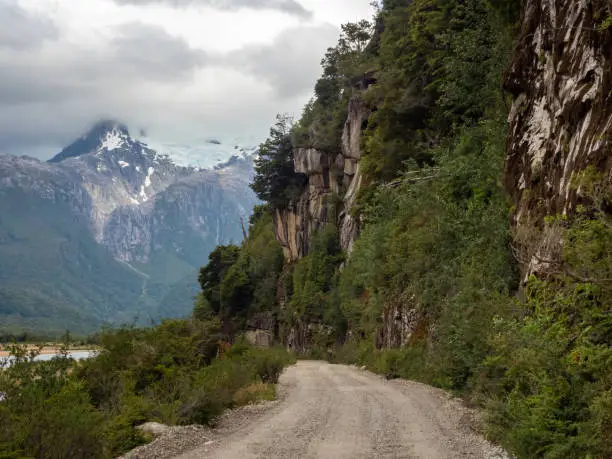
{"type": "Point", "coordinates": [336, 411]}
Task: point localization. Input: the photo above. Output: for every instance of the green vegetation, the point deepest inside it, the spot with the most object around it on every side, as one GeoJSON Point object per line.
{"type": "Point", "coordinates": [276, 181]}
{"type": "Point", "coordinates": [436, 256]}
{"type": "Point", "coordinates": [436, 241]}
{"type": "Point", "coordinates": [180, 372]}
{"type": "Point", "coordinates": [239, 284]}
{"type": "Point", "coordinates": [313, 310]}
{"type": "Point", "coordinates": [344, 66]}
{"type": "Point", "coordinates": [53, 274]}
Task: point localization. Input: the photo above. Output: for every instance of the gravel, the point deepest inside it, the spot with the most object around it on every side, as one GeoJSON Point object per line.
{"type": "Point", "coordinates": [336, 411]}
{"type": "Point", "coordinates": [173, 442]}
{"type": "Point", "coordinates": [176, 440]}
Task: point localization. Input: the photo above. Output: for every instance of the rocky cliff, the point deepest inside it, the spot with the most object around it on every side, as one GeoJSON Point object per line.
{"type": "Point", "coordinates": [334, 179]}
{"type": "Point", "coordinates": [561, 116]}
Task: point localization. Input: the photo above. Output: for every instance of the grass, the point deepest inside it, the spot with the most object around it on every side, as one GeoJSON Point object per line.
{"type": "Point", "coordinates": [255, 393]}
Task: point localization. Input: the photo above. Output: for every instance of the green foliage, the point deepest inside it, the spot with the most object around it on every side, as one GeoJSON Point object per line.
{"type": "Point", "coordinates": [275, 181]}
{"type": "Point", "coordinates": [313, 297]}
{"type": "Point", "coordinates": [440, 244]}
{"type": "Point", "coordinates": [240, 283]}
{"type": "Point", "coordinates": [550, 377]}
{"type": "Point", "coordinates": [552, 399]}
{"type": "Point", "coordinates": [46, 414]}
{"type": "Point", "coordinates": [219, 261]}
{"type": "Point", "coordinates": [345, 67]}
{"type": "Point", "coordinates": [175, 373]}
{"type": "Point", "coordinates": [313, 275]}
{"type": "Point", "coordinates": [438, 63]}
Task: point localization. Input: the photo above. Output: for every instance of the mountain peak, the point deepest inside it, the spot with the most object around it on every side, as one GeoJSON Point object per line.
{"type": "Point", "coordinates": [109, 134]}
{"type": "Point", "coordinates": [106, 126]}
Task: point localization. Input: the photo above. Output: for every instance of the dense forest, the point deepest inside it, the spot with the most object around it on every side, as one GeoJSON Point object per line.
{"type": "Point", "coordinates": [533, 351]}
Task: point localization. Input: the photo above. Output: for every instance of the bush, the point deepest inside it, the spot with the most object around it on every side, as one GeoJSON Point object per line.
{"type": "Point", "coordinates": [46, 414]}
{"type": "Point", "coordinates": [59, 409]}
{"type": "Point", "coordinates": [254, 393]}
{"type": "Point", "coordinates": [269, 363]}
{"type": "Point", "coordinates": [67, 427]}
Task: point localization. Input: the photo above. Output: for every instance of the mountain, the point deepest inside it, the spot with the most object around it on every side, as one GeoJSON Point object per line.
{"type": "Point", "coordinates": [108, 228]}
{"type": "Point", "coordinates": [207, 153]}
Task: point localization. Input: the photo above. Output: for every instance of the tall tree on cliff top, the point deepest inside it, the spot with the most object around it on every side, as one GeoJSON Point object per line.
{"type": "Point", "coordinates": [276, 181]}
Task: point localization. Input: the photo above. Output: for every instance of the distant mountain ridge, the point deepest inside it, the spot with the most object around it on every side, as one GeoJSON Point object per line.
{"type": "Point", "coordinates": [156, 222]}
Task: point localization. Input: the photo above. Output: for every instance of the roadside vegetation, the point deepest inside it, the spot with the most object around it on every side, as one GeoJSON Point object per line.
{"type": "Point", "coordinates": [180, 372]}
{"type": "Point", "coordinates": [534, 353]}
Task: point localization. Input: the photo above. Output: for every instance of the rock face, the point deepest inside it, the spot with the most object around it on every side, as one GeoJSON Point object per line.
{"type": "Point", "coordinates": [334, 180]}
{"type": "Point", "coordinates": [561, 117]}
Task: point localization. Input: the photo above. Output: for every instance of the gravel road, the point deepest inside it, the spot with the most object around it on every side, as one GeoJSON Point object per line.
{"type": "Point", "coordinates": [336, 411]}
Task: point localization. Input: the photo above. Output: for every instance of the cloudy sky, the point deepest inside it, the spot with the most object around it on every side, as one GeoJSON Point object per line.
{"type": "Point", "coordinates": [184, 70]}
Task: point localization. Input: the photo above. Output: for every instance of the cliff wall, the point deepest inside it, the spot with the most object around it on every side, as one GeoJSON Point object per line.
{"type": "Point", "coordinates": [334, 179]}
{"type": "Point", "coordinates": [561, 116]}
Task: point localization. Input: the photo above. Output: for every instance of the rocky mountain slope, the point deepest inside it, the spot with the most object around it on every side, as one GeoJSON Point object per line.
{"type": "Point", "coordinates": [329, 174]}
{"type": "Point", "coordinates": [153, 220]}
{"type": "Point", "coordinates": [560, 119]}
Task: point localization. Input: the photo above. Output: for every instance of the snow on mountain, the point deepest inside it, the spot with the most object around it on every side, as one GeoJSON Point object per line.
{"type": "Point", "coordinates": [206, 154]}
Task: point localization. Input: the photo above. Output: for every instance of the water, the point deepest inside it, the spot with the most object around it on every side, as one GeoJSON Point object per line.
{"type": "Point", "coordinates": [76, 355]}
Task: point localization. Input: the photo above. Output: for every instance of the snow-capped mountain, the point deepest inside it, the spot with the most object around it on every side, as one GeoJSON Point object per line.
{"type": "Point", "coordinates": [206, 154]}
{"type": "Point", "coordinates": [154, 217]}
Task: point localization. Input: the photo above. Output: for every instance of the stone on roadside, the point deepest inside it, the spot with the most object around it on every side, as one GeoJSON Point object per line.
{"type": "Point", "coordinates": [154, 428]}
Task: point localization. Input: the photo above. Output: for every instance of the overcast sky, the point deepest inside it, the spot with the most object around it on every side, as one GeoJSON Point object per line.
{"type": "Point", "coordinates": [183, 70]}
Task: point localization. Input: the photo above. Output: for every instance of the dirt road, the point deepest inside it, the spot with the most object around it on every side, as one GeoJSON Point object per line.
{"type": "Point", "coordinates": [336, 411]}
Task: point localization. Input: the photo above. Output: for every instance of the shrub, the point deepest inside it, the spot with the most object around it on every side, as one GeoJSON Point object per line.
{"type": "Point", "coordinates": [254, 393]}
{"type": "Point", "coordinates": [59, 410]}
{"type": "Point", "coordinates": [269, 363]}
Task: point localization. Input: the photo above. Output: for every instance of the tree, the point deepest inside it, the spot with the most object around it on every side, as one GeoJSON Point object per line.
{"type": "Point", "coordinates": [276, 181]}
{"type": "Point", "coordinates": [219, 261]}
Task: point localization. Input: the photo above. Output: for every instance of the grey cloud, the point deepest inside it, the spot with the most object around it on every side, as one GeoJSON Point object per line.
{"type": "Point", "coordinates": [149, 50]}
{"type": "Point", "coordinates": [21, 29]}
{"type": "Point", "coordinates": [286, 6]}
{"type": "Point", "coordinates": [143, 75]}
{"type": "Point", "coordinates": [139, 52]}
{"type": "Point", "coordinates": [292, 62]}
{"type": "Point", "coordinates": [52, 91]}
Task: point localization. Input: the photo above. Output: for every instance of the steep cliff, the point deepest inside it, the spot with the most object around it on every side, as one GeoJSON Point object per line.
{"type": "Point", "coordinates": [334, 179]}
{"type": "Point", "coordinates": [561, 117]}
{"type": "Point", "coordinates": [433, 289]}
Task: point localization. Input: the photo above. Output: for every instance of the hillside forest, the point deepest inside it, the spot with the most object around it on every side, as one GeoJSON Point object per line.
{"type": "Point", "coordinates": [532, 349]}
